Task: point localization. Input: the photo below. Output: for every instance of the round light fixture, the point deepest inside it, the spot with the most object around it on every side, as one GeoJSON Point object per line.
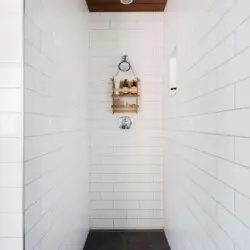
{"type": "Point", "coordinates": [126, 1]}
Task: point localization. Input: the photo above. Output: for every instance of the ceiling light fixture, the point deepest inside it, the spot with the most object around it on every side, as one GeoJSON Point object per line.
{"type": "Point", "coordinates": [126, 1]}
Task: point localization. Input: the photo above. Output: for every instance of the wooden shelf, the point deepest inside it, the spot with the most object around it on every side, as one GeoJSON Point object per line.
{"type": "Point", "coordinates": [124, 107]}
{"type": "Point", "coordinates": [130, 92]}
{"type": "Point", "coordinates": [124, 111]}
{"type": "Point", "coordinates": [125, 95]}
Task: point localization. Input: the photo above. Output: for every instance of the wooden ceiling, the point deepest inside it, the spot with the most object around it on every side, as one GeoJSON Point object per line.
{"type": "Point", "coordinates": [117, 6]}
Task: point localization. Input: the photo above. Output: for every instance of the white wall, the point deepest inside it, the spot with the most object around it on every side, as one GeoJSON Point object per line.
{"type": "Point", "coordinates": [207, 160]}
{"type": "Point", "coordinates": [126, 179]}
{"type": "Point", "coordinates": [11, 124]}
{"type": "Point", "coordinates": [56, 132]}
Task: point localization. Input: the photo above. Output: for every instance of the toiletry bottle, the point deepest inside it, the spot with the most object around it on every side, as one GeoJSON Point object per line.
{"type": "Point", "coordinates": [117, 84]}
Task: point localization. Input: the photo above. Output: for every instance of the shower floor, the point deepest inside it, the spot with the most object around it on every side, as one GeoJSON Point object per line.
{"type": "Point", "coordinates": [126, 240]}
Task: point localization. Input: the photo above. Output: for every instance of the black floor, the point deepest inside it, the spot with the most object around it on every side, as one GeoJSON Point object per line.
{"type": "Point", "coordinates": [126, 240]}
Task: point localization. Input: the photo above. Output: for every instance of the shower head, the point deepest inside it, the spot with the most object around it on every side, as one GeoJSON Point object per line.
{"type": "Point", "coordinates": [126, 1]}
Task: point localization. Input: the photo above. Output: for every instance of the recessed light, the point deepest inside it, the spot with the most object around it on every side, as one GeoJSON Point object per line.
{"type": "Point", "coordinates": [126, 1]}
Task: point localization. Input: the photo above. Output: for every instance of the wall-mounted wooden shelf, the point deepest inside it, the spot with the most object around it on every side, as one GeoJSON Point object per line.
{"type": "Point", "coordinates": [124, 111]}
{"type": "Point", "coordinates": [122, 106]}
{"type": "Point", "coordinates": [122, 94]}
{"type": "Point", "coordinates": [131, 91]}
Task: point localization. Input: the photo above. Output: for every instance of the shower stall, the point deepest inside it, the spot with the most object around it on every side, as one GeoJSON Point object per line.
{"type": "Point", "coordinates": [79, 168]}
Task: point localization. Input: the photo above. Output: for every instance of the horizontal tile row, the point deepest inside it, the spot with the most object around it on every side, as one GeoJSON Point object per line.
{"type": "Point", "coordinates": [126, 214]}
{"type": "Point", "coordinates": [127, 223]}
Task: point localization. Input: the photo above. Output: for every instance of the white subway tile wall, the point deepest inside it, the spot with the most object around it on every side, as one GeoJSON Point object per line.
{"type": "Point", "coordinates": [126, 168]}
{"type": "Point", "coordinates": [11, 125]}
{"type": "Point", "coordinates": [207, 160]}
{"type": "Point", "coordinates": [56, 138]}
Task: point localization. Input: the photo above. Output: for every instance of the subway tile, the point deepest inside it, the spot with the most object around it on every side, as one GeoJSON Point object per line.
{"type": "Point", "coordinates": [10, 75]}
{"type": "Point", "coordinates": [241, 94]}
{"type": "Point", "coordinates": [10, 101]}
{"type": "Point", "coordinates": [101, 205]}
{"type": "Point", "coordinates": [159, 213]}
{"type": "Point", "coordinates": [11, 243]}
{"type": "Point", "coordinates": [242, 206]}
{"type": "Point", "coordinates": [138, 150]}
{"type": "Point", "coordinates": [10, 125]}
{"type": "Point", "coordinates": [11, 200]}
{"type": "Point", "coordinates": [101, 187]}
{"type": "Point", "coordinates": [101, 223]}
{"type": "Point", "coordinates": [158, 196]}
{"type": "Point", "coordinates": [11, 225]}
{"type": "Point", "coordinates": [99, 25]}
{"type": "Point", "coordinates": [135, 169]}
{"type": "Point", "coordinates": [35, 235]}
{"type": "Point", "coordinates": [211, 227]}
{"type": "Point", "coordinates": [50, 199]}
{"type": "Point", "coordinates": [126, 205]}
{"type": "Point", "coordinates": [223, 52]}
{"type": "Point", "coordinates": [33, 170]}
{"type": "Point", "coordinates": [227, 73]}
{"type": "Point", "coordinates": [135, 214]}
{"type": "Point", "coordinates": [234, 228]}
{"type": "Point", "coordinates": [203, 198]}
{"type": "Point", "coordinates": [94, 196]}
{"type": "Point", "coordinates": [201, 160]}
{"type": "Point", "coordinates": [214, 187]}
{"type": "Point", "coordinates": [151, 205]}
{"type": "Point", "coordinates": [11, 6]}
{"type": "Point", "coordinates": [225, 98]}
{"type": "Point", "coordinates": [11, 150]}
{"type": "Point", "coordinates": [33, 34]}
{"type": "Point", "coordinates": [126, 178]}
{"type": "Point", "coordinates": [108, 214]}
{"type": "Point", "coordinates": [11, 175]}
{"type": "Point", "coordinates": [32, 216]}
{"type": "Point", "coordinates": [32, 7]}
{"type": "Point", "coordinates": [11, 45]}
{"type": "Point", "coordinates": [145, 187]}
{"type": "Point", "coordinates": [235, 176]}
{"type": "Point", "coordinates": [150, 223]}
{"type": "Point", "coordinates": [125, 223]}
{"type": "Point", "coordinates": [33, 192]}
{"type": "Point", "coordinates": [222, 146]}
{"type": "Point", "coordinates": [241, 151]}
{"type": "Point", "coordinates": [116, 196]}
{"type": "Point", "coordinates": [234, 123]}
{"type": "Point", "coordinates": [140, 196]}
{"type": "Point", "coordinates": [132, 160]}
{"type": "Point", "coordinates": [242, 36]}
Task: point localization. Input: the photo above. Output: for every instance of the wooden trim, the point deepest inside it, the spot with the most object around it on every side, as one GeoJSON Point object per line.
{"type": "Point", "coordinates": [109, 2]}
{"type": "Point", "coordinates": [144, 7]}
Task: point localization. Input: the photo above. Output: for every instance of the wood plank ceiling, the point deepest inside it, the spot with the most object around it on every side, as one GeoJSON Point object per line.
{"type": "Point", "coordinates": [117, 6]}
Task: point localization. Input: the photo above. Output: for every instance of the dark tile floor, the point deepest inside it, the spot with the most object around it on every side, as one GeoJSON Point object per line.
{"type": "Point", "coordinates": [126, 240]}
